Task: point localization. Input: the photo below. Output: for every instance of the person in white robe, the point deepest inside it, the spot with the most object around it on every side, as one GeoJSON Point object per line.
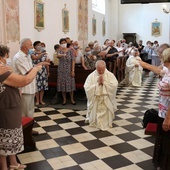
{"type": "Point", "coordinates": [101, 87]}
{"type": "Point", "coordinates": [133, 71]}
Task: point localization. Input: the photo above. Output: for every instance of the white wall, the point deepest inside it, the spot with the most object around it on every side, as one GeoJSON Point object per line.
{"type": "Point", "coordinates": [131, 18]}
{"type": "Point", "coordinates": [53, 22]}
{"type": "Point", "coordinates": [137, 18]}
{"type": "Point", "coordinates": [113, 16]}
{"type": "Point", "coordinates": [99, 18]}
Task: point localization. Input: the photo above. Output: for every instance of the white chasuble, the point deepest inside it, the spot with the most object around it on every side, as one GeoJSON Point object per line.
{"type": "Point", "coordinates": [101, 102]}
{"type": "Point", "coordinates": [133, 75]}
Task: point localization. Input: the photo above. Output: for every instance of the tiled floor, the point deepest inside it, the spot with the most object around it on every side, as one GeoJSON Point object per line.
{"type": "Point", "coordinates": [65, 142]}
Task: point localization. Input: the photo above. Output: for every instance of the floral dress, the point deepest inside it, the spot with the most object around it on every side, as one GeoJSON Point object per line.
{"type": "Point", "coordinates": [65, 83]}
{"type": "Point", "coordinates": [42, 76]}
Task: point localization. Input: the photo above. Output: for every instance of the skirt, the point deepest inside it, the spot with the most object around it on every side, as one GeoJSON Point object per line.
{"type": "Point", "coordinates": [161, 156]}
{"type": "Point", "coordinates": [11, 134]}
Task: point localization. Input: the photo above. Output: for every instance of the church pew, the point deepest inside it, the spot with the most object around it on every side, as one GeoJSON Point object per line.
{"type": "Point", "coordinates": [27, 125]}
{"type": "Point", "coordinates": [80, 76]}
{"type": "Point", "coordinates": [117, 67]}
{"type": "Point", "coordinates": [151, 129]}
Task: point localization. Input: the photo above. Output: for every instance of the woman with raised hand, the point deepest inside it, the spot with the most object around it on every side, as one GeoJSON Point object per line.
{"type": "Point", "coordinates": [66, 72]}
{"type": "Point", "coordinates": [11, 134]}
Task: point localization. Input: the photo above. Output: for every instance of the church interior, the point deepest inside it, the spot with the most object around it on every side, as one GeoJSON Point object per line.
{"type": "Point", "coordinates": [65, 141]}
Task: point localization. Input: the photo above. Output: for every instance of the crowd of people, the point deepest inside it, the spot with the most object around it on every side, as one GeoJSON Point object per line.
{"type": "Point", "coordinates": [27, 79]}
{"type": "Point", "coordinates": [16, 98]}
{"type": "Point", "coordinates": [110, 51]}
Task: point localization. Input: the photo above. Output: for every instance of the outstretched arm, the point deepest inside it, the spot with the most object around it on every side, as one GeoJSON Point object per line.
{"type": "Point", "coordinates": [16, 80]}
{"type": "Point", "coordinates": [150, 67]}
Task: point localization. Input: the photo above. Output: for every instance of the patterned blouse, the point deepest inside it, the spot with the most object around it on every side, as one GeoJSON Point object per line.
{"type": "Point", "coordinates": [164, 95]}
{"type": "Point", "coordinates": [89, 63]}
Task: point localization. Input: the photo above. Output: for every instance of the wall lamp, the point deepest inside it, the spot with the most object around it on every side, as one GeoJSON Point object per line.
{"type": "Point", "coordinates": [165, 9]}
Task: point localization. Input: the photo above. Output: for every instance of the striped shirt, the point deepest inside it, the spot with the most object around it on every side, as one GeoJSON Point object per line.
{"type": "Point", "coordinates": [22, 64]}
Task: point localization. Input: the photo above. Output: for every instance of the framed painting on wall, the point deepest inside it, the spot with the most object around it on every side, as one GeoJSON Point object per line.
{"type": "Point", "coordinates": [39, 15]}
{"type": "Point", "coordinates": [93, 25]}
{"type": "Point", "coordinates": [103, 27]}
{"type": "Point", "coordinates": [156, 28]}
{"type": "Point", "coordinates": [65, 19]}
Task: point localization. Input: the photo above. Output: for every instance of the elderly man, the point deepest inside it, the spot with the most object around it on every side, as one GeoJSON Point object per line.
{"type": "Point", "coordinates": [22, 64]}
{"type": "Point", "coordinates": [101, 87]}
{"type": "Point", "coordinates": [79, 54]}
{"type": "Point", "coordinates": [133, 71]}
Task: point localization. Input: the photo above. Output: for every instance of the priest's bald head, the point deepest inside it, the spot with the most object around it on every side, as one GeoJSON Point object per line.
{"type": "Point", "coordinates": [100, 66]}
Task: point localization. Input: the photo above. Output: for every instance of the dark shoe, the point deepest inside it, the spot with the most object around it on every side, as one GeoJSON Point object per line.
{"type": "Point", "coordinates": [54, 101]}
{"type": "Point", "coordinates": [35, 132]}
{"type": "Point", "coordinates": [64, 103]}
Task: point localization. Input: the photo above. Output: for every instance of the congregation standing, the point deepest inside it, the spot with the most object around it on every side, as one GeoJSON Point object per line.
{"type": "Point", "coordinates": [100, 85]}
{"type": "Point", "coordinates": [13, 103]}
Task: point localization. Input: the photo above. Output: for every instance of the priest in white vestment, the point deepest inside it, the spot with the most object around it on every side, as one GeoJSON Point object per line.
{"type": "Point", "coordinates": [133, 71]}
{"type": "Point", "coordinates": [101, 87]}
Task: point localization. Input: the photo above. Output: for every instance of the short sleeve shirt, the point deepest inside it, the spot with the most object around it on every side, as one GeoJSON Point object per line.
{"type": "Point", "coordinates": [9, 96]}
{"type": "Point", "coordinates": [22, 64]}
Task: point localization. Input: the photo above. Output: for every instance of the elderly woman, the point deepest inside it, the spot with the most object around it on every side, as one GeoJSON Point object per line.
{"type": "Point", "coordinates": [11, 135]}
{"type": "Point", "coordinates": [89, 60]}
{"type": "Point", "coordinates": [38, 56]}
{"type": "Point", "coordinates": [161, 154]}
{"type": "Point", "coordinates": [133, 71]}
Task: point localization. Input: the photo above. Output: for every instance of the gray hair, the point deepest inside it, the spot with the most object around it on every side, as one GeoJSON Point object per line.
{"type": "Point", "coordinates": [162, 47]}
{"type": "Point", "coordinates": [96, 45]}
{"type": "Point", "coordinates": [100, 63]}
{"type": "Point", "coordinates": [23, 41]}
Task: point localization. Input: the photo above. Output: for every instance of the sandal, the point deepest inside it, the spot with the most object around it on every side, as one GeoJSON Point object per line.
{"type": "Point", "coordinates": [17, 167]}
{"type": "Point", "coordinates": [42, 103]}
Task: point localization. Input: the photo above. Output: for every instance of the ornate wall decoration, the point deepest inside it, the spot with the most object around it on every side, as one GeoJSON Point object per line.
{"type": "Point", "coordinates": [12, 20]}
{"type": "Point", "coordinates": [65, 19]}
{"type": "Point", "coordinates": [103, 27]}
{"type": "Point", "coordinates": [94, 25]}
{"type": "Point", "coordinates": [83, 21]}
{"type": "Point", "coordinates": [39, 15]}
{"type": "Point", "coordinates": [156, 28]}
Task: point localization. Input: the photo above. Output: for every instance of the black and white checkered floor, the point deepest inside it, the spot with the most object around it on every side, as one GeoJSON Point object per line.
{"type": "Point", "coordinates": [65, 142]}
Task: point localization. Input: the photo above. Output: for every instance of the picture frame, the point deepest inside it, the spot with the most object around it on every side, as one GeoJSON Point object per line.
{"type": "Point", "coordinates": [65, 19]}
{"type": "Point", "coordinates": [39, 15]}
{"type": "Point", "coordinates": [93, 26]}
{"type": "Point", "coordinates": [103, 27]}
{"type": "Point", "coordinates": [156, 28]}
